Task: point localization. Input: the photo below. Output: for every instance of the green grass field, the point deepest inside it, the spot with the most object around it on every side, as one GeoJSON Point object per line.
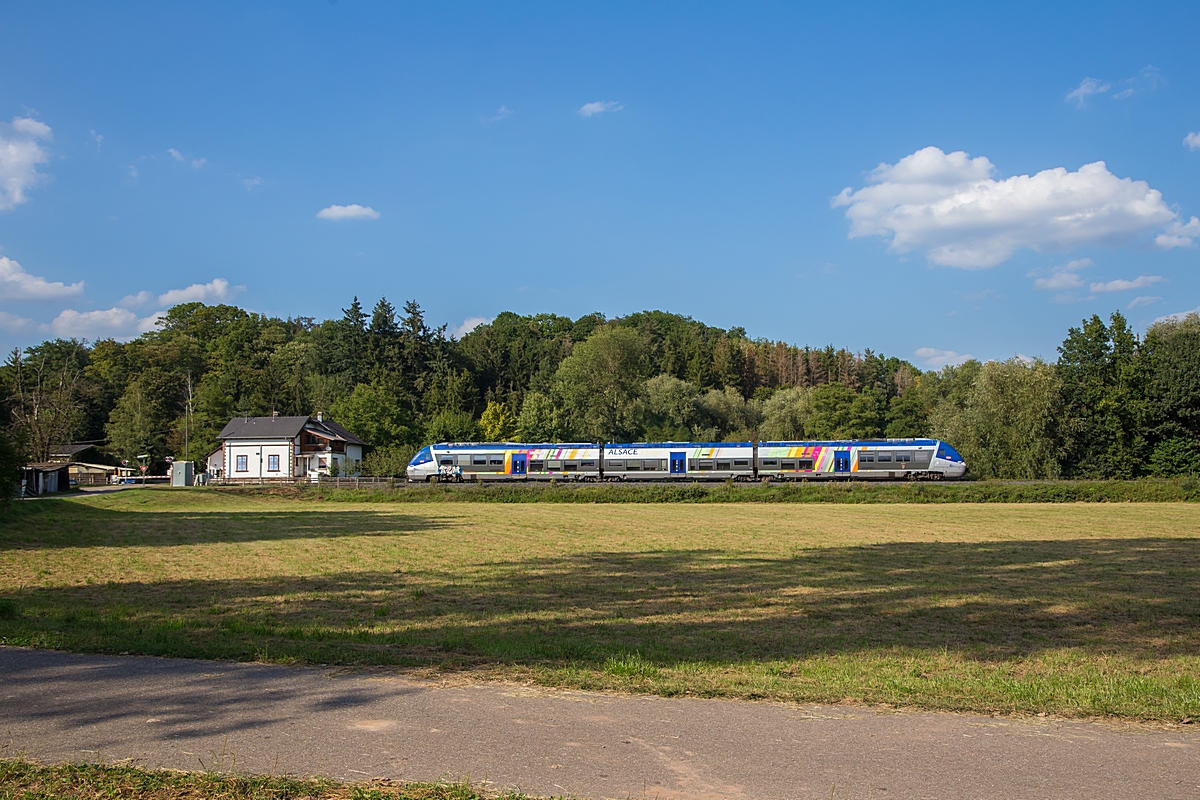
{"type": "Point", "coordinates": [1074, 609]}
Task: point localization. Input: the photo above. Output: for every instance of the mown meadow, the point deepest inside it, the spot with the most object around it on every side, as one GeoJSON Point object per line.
{"type": "Point", "coordinates": [1077, 609]}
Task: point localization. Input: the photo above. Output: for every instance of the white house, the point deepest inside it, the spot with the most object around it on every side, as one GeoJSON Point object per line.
{"type": "Point", "coordinates": [285, 448]}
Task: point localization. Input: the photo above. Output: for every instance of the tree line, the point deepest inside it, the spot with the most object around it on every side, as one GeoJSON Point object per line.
{"type": "Point", "coordinates": [1113, 404]}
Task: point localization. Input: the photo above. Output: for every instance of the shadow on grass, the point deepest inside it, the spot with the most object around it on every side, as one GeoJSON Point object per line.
{"type": "Point", "coordinates": [985, 601]}
{"type": "Point", "coordinates": [57, 523]}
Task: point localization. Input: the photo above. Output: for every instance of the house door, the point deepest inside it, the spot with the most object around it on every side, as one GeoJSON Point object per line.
{"type": "Point", "coordinates": [841, 461]}
{"type": "Point", "coordinates": [678, 463]}
{"type": "Point", "coordinates": [518, 464]}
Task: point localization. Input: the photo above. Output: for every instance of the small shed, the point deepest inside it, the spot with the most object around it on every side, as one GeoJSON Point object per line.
{"type": "Point", "coordinates": [44, 478]}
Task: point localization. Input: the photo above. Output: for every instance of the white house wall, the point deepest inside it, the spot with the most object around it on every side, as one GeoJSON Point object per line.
{"type": "Point", "coordinates": [255, 468]}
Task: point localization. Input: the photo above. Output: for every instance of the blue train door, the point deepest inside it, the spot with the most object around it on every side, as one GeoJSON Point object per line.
{"type": "Point", "coordinates": [678, 463]}
{"type": "Point", "coordinates": [518, 464]}
{"type": "Point", "coordinates": [841, 461]}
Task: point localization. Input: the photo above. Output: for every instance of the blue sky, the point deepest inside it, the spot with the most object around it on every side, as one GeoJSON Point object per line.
{"type": "Point", "coordinates": [909, 178]}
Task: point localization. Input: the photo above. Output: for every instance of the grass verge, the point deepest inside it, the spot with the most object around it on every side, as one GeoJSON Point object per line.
{"type": "Point", "coordinates": [26, 780]}
{"type": "Point", "coordinates": [1179, 490]}
{"type": "Point", "coordinates": [1075, 609]}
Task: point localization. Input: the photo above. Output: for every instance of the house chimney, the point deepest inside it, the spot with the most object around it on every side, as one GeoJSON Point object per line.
{"type": "Point", "coordinates": [320, 416]}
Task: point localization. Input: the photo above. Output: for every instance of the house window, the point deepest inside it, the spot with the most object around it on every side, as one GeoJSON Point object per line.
{"type": "Point", "coordinates": [272, 463]}
{"type": "Point", "coordinates": [241, 464]}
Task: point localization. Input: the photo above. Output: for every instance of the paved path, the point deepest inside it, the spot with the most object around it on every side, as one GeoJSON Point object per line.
{"type": "Point", "coordinates": [185, 714]}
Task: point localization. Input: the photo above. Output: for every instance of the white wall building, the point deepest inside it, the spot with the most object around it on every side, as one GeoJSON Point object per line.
{"type": "Point", "coordinates": [285, 448]}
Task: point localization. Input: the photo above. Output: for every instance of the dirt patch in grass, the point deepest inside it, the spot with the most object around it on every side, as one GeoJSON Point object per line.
{"type": "Point", "coordinates": [1073, 609]}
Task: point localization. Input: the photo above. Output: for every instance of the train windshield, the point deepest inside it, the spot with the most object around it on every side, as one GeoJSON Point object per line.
{"type": "Point", "coordinates": [948, 453]}
{"type": "Point", "coordinates": [423, 456]}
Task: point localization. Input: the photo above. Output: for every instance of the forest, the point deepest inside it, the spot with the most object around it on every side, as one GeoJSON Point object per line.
{"type": "Point", "coordinates": [1113, 404]}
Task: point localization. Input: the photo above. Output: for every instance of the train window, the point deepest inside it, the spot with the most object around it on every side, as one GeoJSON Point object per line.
{"type": "Point", "coordinates": [804, 463]}
{"type": "Point", "coordinates": [788, 465]}
{"type": "Point", "coordinates": [866, 458]}
{"type": "Point", "coordinates": [446, 461]}
{"type": "Point", "coordinates": [770, 462]}
{"type": "Point", "coordinates": [693, 465]}
{"type": "Point", "coordinates": [655, 465]}
{"type": "Point", "coordinates": [724, 466]}
{"type": "Point", "coordinates": [635, 465]}
{"type": "Point", "coordinates": [571, 466]}
{"type": "Point", "coordinates": [479, 461]}
{"type": "Point", "coordinates": [706, 465]}
{"type": "Point", "coordinates": [741, 463]}
{"type": "Point", "coordinates": [496, 461]}
{"type": "Point", "coordinates": [885, 457]}
{"type": "Point", "coordinates": [904, 456]}
{"type": "Point", "coordinates": [588, 464]}
{"type": "Point", "coordinates": [610, 464]}
{"type": "Point", "coordinates": [537, 466]}
{"type": "Point", "coordinates": [552, 464]}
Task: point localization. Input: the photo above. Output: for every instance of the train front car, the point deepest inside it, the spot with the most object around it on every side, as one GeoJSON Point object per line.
{"type": "Point", "coordinates": [948, 461]}
{"type": "Point", "coordinates": [423, 466]}
{"type": "Point", "coordinates": [668, 461]}
{"type": "Point", "coordinates": [913, 459]}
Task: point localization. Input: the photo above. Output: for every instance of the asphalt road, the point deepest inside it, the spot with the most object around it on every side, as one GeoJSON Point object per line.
{"type": "Point", "coordinates": [306, 721]}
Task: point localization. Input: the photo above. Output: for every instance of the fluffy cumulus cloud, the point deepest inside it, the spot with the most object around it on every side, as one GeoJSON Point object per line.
{"type": "Point", "coordinates": [1192, 141]}
{"type": "Point", "coordinates": [950, 206]}
{"type": "Point", "coordinates": [117, 323]}
{"type": "Point", "coordinates": [469, 324]}
{"type": "Point", "coordinates": [935, 358]}
{"type": "Point", "coordinates": [22, 149]}
{"type": "Point", "coordinates": [1144, 300]}
{"type": "Point", "coordinates": [352, 211]}
{"type": "Point", "coordinates": [17, 284]}
{"type": "Point", "coordinates": [217, 290]}
{"type": "Point", "coordinates": [599, 107]}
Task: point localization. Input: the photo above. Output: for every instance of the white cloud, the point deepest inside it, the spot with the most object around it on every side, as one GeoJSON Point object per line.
{"type": "Point", "coordinates": [13, 323]}
{"type": "Point", "coordinates": [197, 163]}
{"type": "Point", "coordinates": [950, 206]}
{"type": "Point", "coordinates": [501, 113]}
{"type": "Point", "coordinates": [599, 107]}
{"type": "Point", "coordinates": [352, 211]}
{"type": "Point", "coordinates": [1179, 234]}
{"type": "Point", "coordinates": [17, 284]}
{"type": "Point", "coordinates": [118, 323]}
{"type": "Point", "coordinates": [250, 183]}
{"type": "Point", "coordinates": [1145, 300]}
{"type": "Point", "coordinates": [135, 300]}
{"type": "Point", "coordinates": [1087, 87]}
{"type": "Point", "coordinates": [932, 357]}
{"type": "Point", "coordinates": [133, 172]}
{"type": "Point", "coordinates": [1178, 315]}
{"type": "Point", "coordinates": [20, 153]}
{"type": "Point", "coordinates": [1121, 95]}
{"type": "Point", "coordinates": [97, 138]}
{"type": "Point", "coordinates": [217, 289]}
{"type": "Point", "coordinates": [1121, 285]}
{"type": "Point", "coordinates": [175, 154]}
{"type": "Point", "coordinates": [469, 324]}
{"type": "Point", "coordinates": [1062, 277]}
{"type": "Point", "coordinates": [1192, 140]}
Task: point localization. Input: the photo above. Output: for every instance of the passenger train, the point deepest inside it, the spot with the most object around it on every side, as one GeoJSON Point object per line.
{"type": "Point", "coordinates": [912, 459]}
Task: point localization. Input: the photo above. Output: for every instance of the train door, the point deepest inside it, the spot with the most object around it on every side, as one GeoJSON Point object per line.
{"type": "Point", "coordinates": [841, 461]}
{"type": "Point", "coordinates": [678, 463]}
{"type": "Point", "coordinates": [518, 464]}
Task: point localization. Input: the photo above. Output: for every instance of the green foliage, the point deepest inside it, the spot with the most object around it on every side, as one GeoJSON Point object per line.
{"type": "Point", "coordinates": [600, 383]}
{"type": "Point", "coordinates": [451, 426]}
{"type": "Point", "coordinates": [1007, 427]}
{"type": "Point", "coordinates": [497, 423]}
{"type": "Point", "coordinates": [541, 420]}
{"type": "Point", "coordinates": [11, 461]}
{"type": "Point", "coordinates": [372, 413]}
{"type": "Point", "coordinates": [1179, 455]}
{"type": "Point", "coordinates": [388, 462]}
